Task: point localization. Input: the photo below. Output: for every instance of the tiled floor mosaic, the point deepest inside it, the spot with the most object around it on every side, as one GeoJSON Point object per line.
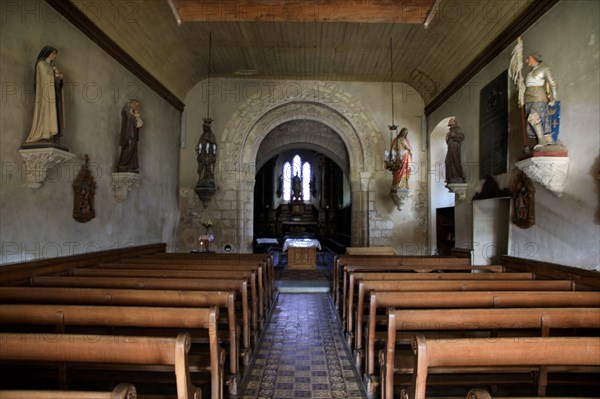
{"type": "Point", "coordinates": [302, 354]}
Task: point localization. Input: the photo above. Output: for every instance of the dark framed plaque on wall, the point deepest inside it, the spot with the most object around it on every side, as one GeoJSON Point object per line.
{"type": "Point", "coordinates": [493, 127]}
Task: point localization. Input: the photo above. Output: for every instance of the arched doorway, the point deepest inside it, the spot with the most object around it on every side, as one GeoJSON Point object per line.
{"type": "Point", "coordinates": [317, 156]}
{"type": "Point", "coordinates": [249, 126]}
{"type": "Point", "coordinates": [441, 208]}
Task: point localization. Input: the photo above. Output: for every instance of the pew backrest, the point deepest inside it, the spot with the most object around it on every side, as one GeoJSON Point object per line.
{"type": "Point", "coordinates": [104, 349]}
{"type": "Point", "coordinates": [449, 285]}
{"type": "Point", "coordinates": [124, 297]}
{"type": "Point", "coordinates": [469, 299]}
{"type": "Point", "coordinates": [418, 321]}
{"type": "Point", "coordinates": [546, 351]}
{"type": "Point", "coordinates": [121, 391]}
{"type": "Point", "coordinates": [407, 267]}
{"type": "Point", "coordinates": [239, 285]}
{"type": "Point", "coordinates": [354, 276]}
{"type": "Point", "coordinates": [384, 260]}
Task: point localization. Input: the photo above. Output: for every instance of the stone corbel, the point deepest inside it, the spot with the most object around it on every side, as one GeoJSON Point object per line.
{"type": "Point", "coordinates": [123, 182]}
{"type": "Point", "coordinates": [205, 191]}
{"type": "Point", "coordinates": [39, 160]}
{"type": "Point", "coordinates": [399, 196]}
{"type": "Point", "coordinates": [550, 172]}
{"type": "Point", "coordinates": [460, 189]}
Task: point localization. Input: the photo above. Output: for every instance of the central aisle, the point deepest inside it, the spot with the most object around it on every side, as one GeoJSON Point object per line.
{"type": "Point", "coordinates": [302, 353]}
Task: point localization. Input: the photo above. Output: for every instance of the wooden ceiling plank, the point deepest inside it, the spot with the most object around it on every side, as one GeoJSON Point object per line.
{"type": "Point", "coordinates": [533, 12]}
{"type": "Point", "coordinates": [355, 11]}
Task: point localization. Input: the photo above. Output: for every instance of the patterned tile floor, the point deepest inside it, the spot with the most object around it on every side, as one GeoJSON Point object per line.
{"type": "Point", "coordinates": [302, 354]}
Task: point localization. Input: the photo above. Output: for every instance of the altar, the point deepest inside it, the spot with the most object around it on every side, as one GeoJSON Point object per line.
{"type": "Point", "coordinates": [301, 252]}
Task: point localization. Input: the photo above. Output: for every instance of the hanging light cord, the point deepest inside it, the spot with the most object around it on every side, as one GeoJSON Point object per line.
{"type": "Point", "coordinates": [392, 79]}
{"type": "Point", "coordinates": [209, 88]}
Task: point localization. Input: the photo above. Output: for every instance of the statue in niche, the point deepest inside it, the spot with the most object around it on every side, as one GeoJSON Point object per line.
{"type": "Point", "coordinates": [402, 156]}
{"type": "Point", "coordinates": [131, 123]}
{"type": "Point", "coordinates": [454, 138]}
{"type": "Point", "coordinates": [206, 151]}
{"type": "Point", "coordinates": [48, 117]}
{"type": "Point", "coordinates": [296, 188]}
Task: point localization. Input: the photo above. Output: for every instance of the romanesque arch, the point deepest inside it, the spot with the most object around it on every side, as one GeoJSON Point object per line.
{"type": "Point", "coordinates": [258, 115]}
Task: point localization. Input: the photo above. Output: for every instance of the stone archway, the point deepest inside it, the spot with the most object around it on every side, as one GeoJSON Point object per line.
{"type": "Point", "coordinates": [257, 116]}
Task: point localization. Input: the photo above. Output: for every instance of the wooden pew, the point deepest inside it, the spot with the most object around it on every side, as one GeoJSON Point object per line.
{"type": "Point", "coordinates": [450, 300]}
{"type": "Point", "coordinates": [258, 269]}
{"type": "Point", "coordinates": [461, 320]}
{"type": "Point", "coordinates": [121, 391]}
{"type": "Point", "coordinates": [62, 316]}
{"type": "Point", "coordinates": [484, 394]}
{"type": "Point", "coordinates": [267, 274]}
{"type": "Point", "coordinates": [19, 273]}
{"type": "Point", "coordinates": [125, 297]}
{"type": "Point", "coordinates": [104, 349]}
{"type": "Point", "coordinates": [385, 260]}
{"type": "Point", "coordinates": [408, 267]}
{"type": "Point", "coordinates": [239, 285]}
{"type": "Point", "coordinates": [446, 285]}
{"type": "Point", "coordinates": [353, 276]}
{"type": "Point", "coordinates": [250, 276]}
{"type": "Point", "coordinates": [546, 351]}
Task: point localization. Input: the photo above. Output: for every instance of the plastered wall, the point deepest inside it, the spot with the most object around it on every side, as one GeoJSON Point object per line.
{"type": "Point", "coordinates": [245, 111]}
{"type": "Point", "coordinates": [38, 223]}
{"type": "Point", "coordinates": [567, 229]}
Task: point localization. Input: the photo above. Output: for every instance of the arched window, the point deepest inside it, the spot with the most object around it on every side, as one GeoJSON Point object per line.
{"type": "Point", "coordinates": [291, 169]}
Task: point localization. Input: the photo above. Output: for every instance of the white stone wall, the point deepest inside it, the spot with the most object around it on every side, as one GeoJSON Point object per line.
{"type": "Point", "coordinates": [38, 223]}
{"type": "Point", "coordinates": [567, 229]}
{"type": "Point", "coordinates": [245, 111]}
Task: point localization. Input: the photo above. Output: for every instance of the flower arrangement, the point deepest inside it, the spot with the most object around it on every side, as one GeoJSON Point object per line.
{"type": "Point", "coordinates": [207, 224]}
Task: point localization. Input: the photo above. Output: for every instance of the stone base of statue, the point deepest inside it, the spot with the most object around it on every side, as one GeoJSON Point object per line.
{"type": "Point", "coordinates": [39, 158]}
{"type": "Point", "coordinates": [205, 190]}
{"type": "Point", "coordinates": [399, 196]}
{"type": "Point", "coordinates": [460, 189]}
{"type": "Point", "coordinates": [123, 182]}
{"type": "Point", "coordinates": [548, 168]}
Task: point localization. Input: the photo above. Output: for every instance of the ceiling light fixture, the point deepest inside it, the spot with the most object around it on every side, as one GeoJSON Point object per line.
{"type": "Point", "coordinates": [393, 159]}
{"type": "Point", "coordinates": [206, 150]}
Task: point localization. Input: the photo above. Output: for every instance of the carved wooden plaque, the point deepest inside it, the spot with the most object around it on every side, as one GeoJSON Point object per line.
{"type": "Point", "coordinates": [84, 188]}
{"type": "Point", "coordinates": [523, 195]}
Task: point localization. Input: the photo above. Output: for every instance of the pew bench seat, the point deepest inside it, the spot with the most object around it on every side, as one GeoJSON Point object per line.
{"type": "Point", "coordinates": [121, 391]}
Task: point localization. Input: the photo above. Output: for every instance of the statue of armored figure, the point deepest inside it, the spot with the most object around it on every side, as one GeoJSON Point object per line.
{"type": "Point", "coordinates": [540, 96]}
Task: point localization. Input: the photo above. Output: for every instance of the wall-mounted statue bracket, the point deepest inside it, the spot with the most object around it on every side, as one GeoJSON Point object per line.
{"type": "Point", "coordinates": [39, 160]}
{"type": "Point", "coordinates": [549, 171]}
{"type": "Point", "coordinates": [399, 196]}
{"type": "Point", "coordinates": [205, 192]}
{"type": "Point", "coordinates": [123, 182]}
{"type": "Point", "coordinates": [460, 189]}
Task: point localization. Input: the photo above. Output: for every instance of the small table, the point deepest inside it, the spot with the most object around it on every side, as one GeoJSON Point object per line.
{"type": "Point", "coordinates": [302, 252]}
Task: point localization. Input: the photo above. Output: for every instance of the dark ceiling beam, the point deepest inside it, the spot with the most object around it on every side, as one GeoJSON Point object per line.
{"type": "Point", "coordinates": [86, 26]}
{"type": "Point", "coordinates": [535, 10]}
{"type": "Point", "coordinates": [352, 11]}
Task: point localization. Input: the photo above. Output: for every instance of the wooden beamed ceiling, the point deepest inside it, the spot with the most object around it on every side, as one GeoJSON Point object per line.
{"type": "Point", "coordinates": [319, 40]}
{"type": "Point", "coordinates": [351, 11]}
